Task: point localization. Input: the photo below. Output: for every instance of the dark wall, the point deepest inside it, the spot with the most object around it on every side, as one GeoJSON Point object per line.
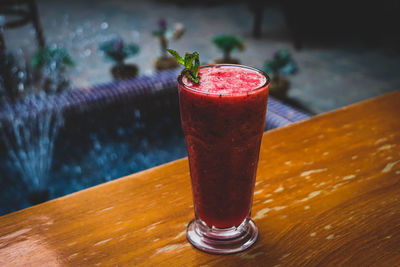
{"type": "Point", "coordinates": [371, 23]}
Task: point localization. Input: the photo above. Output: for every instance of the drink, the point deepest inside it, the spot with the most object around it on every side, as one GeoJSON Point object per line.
{"type": "Point", "coordinates": [223, 121]}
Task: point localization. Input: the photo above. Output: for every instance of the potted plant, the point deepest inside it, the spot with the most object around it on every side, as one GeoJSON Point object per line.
{"type": "Point", "coordinates": [50, 66]}
{"type": "Point", "coordinates": [281, 65]}
{"type": "Point", "coordinates": [164, 35]}
{"type": "Point", "coordinates": [228, 43]}
{"type": "Point", "coordinates": [117, 51]}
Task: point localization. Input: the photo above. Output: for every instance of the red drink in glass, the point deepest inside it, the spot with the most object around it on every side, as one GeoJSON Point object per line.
{"type": "Point", "coordinates": [223, 120]}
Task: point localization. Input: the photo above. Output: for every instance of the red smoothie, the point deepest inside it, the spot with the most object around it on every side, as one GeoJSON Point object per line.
{"type": "Point", "coordinates": [223, 121]}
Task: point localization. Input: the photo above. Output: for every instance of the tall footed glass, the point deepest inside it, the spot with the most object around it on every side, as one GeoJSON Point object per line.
{"type": "Point", "coordinates": [223, 120]}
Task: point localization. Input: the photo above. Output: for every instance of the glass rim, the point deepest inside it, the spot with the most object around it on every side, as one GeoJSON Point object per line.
{"type": "Point", "coordinates": [265, 84]}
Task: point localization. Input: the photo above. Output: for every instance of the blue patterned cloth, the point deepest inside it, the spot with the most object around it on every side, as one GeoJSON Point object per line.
{"type": "Point", "coordinates": [98, 96]}
{"type": "Point", "coordinates": [280, 114]}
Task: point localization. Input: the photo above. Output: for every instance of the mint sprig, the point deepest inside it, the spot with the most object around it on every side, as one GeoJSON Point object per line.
{"type": "Point", "coordinates": [191, 70]}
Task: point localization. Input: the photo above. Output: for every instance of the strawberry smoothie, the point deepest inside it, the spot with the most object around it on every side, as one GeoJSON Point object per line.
{"type": "Point", "coordinates": [223, 119]}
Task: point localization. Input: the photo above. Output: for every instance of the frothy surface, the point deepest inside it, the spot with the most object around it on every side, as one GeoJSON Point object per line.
{"type": "Point", "coordinates": [226, 80]}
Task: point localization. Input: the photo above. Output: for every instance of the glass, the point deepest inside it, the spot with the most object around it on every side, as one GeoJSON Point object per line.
{"type": "Point", "coordinates": [223, 135]}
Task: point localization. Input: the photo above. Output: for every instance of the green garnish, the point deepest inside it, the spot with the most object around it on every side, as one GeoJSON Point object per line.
{"type": "Point", "coordinates": [191, 70]}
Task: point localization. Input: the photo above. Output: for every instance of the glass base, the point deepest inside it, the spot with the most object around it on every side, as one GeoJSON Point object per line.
{"type": "Point", "coordinates": [222, 241]}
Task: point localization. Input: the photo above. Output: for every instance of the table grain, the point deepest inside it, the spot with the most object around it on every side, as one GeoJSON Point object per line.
{"type": "Point", "coordinates": [327, 194]}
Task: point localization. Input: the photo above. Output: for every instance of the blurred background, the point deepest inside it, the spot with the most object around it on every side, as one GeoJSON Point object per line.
{"type": "Point", "coordinates": [88, 93]}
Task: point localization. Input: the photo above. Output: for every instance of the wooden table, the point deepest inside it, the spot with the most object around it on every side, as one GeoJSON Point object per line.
{"type": "Point", "coordinates": [327, 193]}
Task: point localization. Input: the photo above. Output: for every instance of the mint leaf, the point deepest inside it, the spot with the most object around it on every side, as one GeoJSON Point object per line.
{"type": "Point", "coordinates": [191, 70]}
{"type": "Point", "coordinates": [196, 80]}
{"type": "Point", "coordinates": [188, 60]}
{"type": "Point", "coordinates": [190, 75]}
{"type": "Point", "coordinates": [177, 56]}
{"type": "Point", "coordinates": [196, 66]}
